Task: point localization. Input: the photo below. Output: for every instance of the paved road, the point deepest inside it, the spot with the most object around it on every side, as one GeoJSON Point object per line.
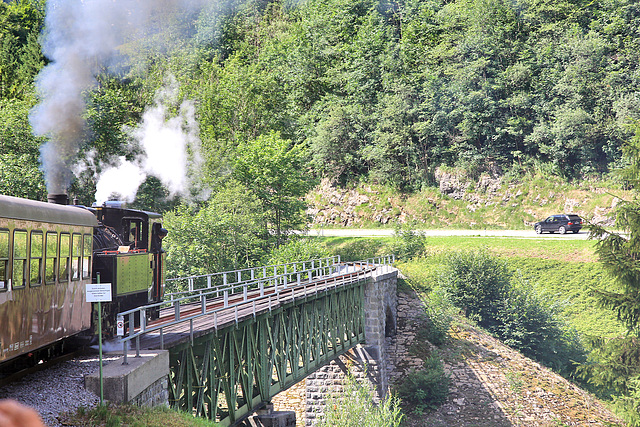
{"type": "Point", "coordinates": [357, 232]}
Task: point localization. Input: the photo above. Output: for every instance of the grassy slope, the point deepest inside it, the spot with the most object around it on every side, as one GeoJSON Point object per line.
{"type": "Point", "coordinates": [564, 270]}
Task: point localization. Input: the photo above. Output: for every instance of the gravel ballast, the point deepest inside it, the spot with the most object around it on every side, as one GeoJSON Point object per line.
{"type": "Point", "coordinates": [58, 389]}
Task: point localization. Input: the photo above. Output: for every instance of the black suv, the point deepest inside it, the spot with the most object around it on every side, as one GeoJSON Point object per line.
{"type": "Point", "coordinates": [559, 223]}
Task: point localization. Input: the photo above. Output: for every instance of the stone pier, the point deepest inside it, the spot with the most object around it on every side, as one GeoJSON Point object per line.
{"type": "Point", "coordinates": [366, 362]}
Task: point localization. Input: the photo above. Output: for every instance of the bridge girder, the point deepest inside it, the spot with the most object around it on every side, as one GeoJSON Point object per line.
{"type": "Point", "coordinates": [228, 374]}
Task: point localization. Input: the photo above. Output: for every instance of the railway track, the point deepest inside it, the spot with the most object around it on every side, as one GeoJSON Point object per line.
{"type": "Point", "coordinates": [8, 377]}
{"type": "Point", "coordinates": [180, 322]}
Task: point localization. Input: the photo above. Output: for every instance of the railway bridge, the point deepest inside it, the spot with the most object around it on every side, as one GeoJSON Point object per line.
{"type": "Point", "coordinates": [236, 339]}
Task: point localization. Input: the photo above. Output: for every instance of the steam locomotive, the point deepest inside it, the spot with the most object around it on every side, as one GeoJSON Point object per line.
{"type": "Point", "coordinates": [50, 251]}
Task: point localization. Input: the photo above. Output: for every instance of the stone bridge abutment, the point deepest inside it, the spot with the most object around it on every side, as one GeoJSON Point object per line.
{"type": "Point", "coordinates": [367, 363]}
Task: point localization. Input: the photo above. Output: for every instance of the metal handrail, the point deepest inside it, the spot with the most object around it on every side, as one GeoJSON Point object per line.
{"type": "Point", "coordinates": [227, 278]}
{"type": "Point", "coordinates": [280, 284]}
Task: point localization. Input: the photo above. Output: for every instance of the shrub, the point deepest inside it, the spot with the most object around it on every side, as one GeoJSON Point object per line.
{"type": "Point", "coordinates": [475, 281]}
{"type": "Point", "coordinates": [297, 249]}
{"type": "Point", "coordinates": [513, 311]}
{"type": "Point", "coordinates": [530, 324]}
{"type": "Point", "coordinates": [358, 249]}
{"type": "Point", "coordinates": [440, 313]}
{"type": "Point", "coordinates": [426, 389]}
{"type": "Point", "coordinates": [407, 242]}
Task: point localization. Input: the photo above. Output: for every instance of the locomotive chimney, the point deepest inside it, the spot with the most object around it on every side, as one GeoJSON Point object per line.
{"type": "Point", "coordinates": [58, 199]}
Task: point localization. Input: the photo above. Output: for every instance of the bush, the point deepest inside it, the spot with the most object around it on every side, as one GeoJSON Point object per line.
{"type": "Point", "coordinates": [426, 389]}
{"type": "Point", "coordinates": [530, 324]}
{"type": "Point", "coordinates": [484, 288]}
{"type": "Point", "coordinates": [407, 242]}
{"type": "Point", "coordinates": [440, 313]}
{"type": "Point", "coordinates": [476, 281]}
{"type": "Point", "coordinates": [298, 249]}
{"type": "Point", "coordinates": [358, 249]}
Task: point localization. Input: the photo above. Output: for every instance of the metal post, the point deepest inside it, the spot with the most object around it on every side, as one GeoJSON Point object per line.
{"type": "Point", "coordinates": [100, 344]}
{"type": "Point", "coordinates": [143, 320]}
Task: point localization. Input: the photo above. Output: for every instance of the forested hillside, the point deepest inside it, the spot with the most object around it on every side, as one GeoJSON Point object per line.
{"type": "Point", "coordinates": [250, 103]}
{"type": "Point", "coordinates": [377, 90]}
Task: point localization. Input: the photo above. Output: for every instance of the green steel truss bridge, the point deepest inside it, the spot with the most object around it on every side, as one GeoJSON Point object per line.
{"type": "Point", "coordinates": [238, 338]}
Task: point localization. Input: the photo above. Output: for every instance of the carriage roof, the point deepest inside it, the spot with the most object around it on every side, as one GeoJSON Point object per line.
{"type": "Point", "coordinates": [32, 210]}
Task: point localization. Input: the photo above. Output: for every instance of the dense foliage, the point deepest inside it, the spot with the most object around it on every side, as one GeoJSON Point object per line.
{"type": "Point", "coordinates": [383, 90]}
{"type": "Point", "coordinates": [615, 363]}
{"type": "Point", "coordinates": [284, 92]}
{"type": "Point", "coordinates": [427, 388]}
{"type": "Point", "coordinates": [488, 292]}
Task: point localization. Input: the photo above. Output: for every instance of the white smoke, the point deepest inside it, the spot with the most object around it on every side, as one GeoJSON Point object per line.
{"type": "Point", "coordinates": [80, 38]}
{"type": "Point", "coordinates": [169, 150]}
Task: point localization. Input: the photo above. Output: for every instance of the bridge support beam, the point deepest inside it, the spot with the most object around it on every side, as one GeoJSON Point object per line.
{"type": "Point", "coordinates": [366, 362]}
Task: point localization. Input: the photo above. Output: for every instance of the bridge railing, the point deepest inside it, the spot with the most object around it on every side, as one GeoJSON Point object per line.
{"type": "Point", "coordinates": [187, 285]}
{"type": "Point", "coordinates": [241, 293]}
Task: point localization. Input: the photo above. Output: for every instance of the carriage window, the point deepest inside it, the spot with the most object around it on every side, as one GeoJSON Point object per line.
{"type": "Point", "coordinates": [86, 259]}
{"type": "Point", "coordinates": [35, 263]}
{"type": "Point", "coordinates": [65, 247]}
{"type": "Point", "coordinates": [76, 256]}
{"type": "Point", "coordinates": [19, 278]}
{"type": "Point", "coordinates": [4, 258]}
{"type": "Point", "coordinates": [51, 260]}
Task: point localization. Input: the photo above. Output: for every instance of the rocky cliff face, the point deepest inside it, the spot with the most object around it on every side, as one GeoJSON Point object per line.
{"type": "Point", "coordinates": [461, 201]}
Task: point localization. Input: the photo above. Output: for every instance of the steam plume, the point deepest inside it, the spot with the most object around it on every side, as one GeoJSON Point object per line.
{"type": "Point", "coordinates": [169, 150]}
{"type": "Point", "coordinates": [80, 38]}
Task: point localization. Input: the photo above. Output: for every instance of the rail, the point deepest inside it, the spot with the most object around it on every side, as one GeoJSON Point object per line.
{"type": "Point", "coordinates": [279, 285]}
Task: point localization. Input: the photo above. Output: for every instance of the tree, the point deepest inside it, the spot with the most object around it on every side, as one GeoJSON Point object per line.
{"type": "Point", "coordinates": [275, 172]}
{"type": "Point", "coordinates": [20, 54]}
{"type": "Point", "coordinates": [20, 173]}
{"type": "Point", "coordinates": [615, 363]}
{"type": "Point", "coordinates": [223, 234]}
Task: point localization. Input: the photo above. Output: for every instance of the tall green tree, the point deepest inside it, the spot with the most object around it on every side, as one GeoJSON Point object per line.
{"type": "Point", "coordinates": [615, 364]}
{"type": "Point", "coordinates": [225, 233]}
{"type": "Point", "coordinates": [20, 55]}
{"type": "Point", "coordinates": [275, 171]}
{"type": "Point", "coordinates": [20, 173]}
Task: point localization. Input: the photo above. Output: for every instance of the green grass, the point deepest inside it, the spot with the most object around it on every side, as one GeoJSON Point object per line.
{"type": "Point", "coordinates": [569, 283]}
{"type": "Point", "coordinates": [563, 270]}
{"type": "Point", "coordinates": [134, 416]}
